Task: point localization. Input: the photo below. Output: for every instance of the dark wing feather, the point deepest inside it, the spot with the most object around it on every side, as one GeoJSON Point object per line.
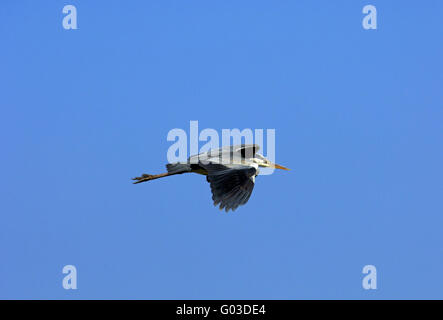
{"type": "Point", "coordinates": [231, 187]}
{"type": "Point", "coordinates": [247, 150]}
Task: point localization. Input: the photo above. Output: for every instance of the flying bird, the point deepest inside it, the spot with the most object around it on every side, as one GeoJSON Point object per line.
{"type": "Point", "coordinates": [230, 171]}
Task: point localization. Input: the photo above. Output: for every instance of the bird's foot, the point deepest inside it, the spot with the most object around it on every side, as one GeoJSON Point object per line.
{"type": "Point", "coordinates": [142, 178]}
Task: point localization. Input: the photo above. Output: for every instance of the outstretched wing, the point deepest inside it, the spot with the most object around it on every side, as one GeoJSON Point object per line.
{"type": "Point", "coordinates": [230, 186]}
{"type": "Point", "coordinates": [239, 151]}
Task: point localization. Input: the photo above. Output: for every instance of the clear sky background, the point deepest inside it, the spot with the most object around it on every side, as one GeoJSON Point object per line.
{"type": "Point", "coordinates": [358, 117]}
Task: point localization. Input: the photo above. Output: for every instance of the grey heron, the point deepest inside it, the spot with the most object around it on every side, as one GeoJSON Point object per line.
{"type": "Point", "coordinates": [230, 171]}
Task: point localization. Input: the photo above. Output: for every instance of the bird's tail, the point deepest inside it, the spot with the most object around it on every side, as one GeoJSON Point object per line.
{"type": "Point", "coordinates": [176, 168]}
{"type": "Point", "coordinates": [173, 168]}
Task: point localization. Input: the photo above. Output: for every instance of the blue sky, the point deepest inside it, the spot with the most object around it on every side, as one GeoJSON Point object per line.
{"type": "Point", "coordinates": [358, 118]}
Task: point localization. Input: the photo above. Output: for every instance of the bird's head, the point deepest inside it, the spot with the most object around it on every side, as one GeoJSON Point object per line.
{"type": "Point", "coordinates": [263, 162]}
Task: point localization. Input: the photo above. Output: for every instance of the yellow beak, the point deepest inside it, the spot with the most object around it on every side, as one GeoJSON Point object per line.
{"type": "Point", "coordinates": [277, 166]}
